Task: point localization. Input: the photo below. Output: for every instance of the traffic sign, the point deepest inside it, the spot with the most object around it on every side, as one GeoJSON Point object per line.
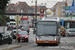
{"type": "Point", "coordinates": [17, 18]}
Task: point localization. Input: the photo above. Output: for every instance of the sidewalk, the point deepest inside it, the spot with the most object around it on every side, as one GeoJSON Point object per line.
{"type": "Point", "coordinates": [10, 47]}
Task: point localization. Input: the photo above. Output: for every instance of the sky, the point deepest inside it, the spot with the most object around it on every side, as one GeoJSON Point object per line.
{"type": "Point", "coordinates": [49, 3]}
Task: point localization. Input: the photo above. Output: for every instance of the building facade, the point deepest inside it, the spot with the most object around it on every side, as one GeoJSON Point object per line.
{"type": "Point", "coordinates": [49, 12]}
{"type": "Point", "coordinates": [59, 9]}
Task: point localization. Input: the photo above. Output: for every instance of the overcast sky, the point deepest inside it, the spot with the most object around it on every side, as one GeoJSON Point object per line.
{"type": "Point", "coordinates": [49, 3]}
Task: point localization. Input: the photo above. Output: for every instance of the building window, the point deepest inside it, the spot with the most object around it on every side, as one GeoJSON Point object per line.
{"type": "Point", "coordinates": [7, 8]}
{"type": "Point", "coordinates": [63, 11]}
{"type": "Point", "coordinates": [11, 8]}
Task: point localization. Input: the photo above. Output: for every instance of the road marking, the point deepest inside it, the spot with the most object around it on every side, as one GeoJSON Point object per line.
{"type": "Point", "coordinates": [65, 47]}
{"type": "Point", "coordinates": [36, 47]}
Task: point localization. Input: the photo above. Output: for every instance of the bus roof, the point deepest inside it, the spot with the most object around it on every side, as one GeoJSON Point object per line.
{"type": "Point", "coordinates": [51, 19]}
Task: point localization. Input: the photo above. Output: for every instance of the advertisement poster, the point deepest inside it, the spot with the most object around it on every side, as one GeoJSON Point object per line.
{"type": "Point", "coordinates": [70, 11]}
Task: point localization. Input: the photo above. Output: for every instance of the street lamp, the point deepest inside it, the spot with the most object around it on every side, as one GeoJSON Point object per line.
{"type": "Point", "coordinates": [35, 14]}
{"type": "Point", "coordinates": [35, 10]}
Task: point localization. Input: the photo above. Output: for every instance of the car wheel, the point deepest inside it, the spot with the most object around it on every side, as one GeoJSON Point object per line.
{"type": "Point", "coordinates": [27, 41]}
{"type": "Point", "coordinates": [10, 42]}
{"type": "Point", "coordinates": [63, 35]}
{"type": "Point", "coordinates": [1, 43]}
{"type": "Point", "coordinates": [68, 35]}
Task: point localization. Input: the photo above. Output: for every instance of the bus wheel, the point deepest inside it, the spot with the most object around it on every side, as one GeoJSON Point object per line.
{"type": "Point", "coordinates": [38, 44]}
{"type": "Point", "coordinates": [57, 44]}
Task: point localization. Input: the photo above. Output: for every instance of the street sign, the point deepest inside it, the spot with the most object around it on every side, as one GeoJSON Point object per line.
{"type": "Point", "coordinates": [17, 18]}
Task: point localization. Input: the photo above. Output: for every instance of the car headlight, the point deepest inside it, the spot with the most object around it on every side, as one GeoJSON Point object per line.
{"type": "Point", "coordinates": [26, 36]}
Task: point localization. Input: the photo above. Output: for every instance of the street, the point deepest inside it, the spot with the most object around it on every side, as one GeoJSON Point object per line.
{"type": "Point", "coordinates": [66, 43]}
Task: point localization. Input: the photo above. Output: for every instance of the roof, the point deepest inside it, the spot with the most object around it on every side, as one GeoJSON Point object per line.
{"type": "Point", "coordinates": [17, 7]}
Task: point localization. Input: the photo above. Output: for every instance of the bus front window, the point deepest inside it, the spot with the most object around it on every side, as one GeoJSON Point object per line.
{"type": "Point", "coordinates": [46, 29]}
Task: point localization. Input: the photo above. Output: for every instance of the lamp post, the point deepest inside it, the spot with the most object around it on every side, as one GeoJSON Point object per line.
{"type": "Point", "coordinates": [35, 14]}
{"type": "Point", "coordinates": [36, 11]}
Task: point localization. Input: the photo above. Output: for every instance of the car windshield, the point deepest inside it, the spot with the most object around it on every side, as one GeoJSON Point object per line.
{"type": "Point", "coordinates": [3, 34]}
{"type": "Point", "coordinates": [24, 28]}
{"type": "Point", "coordinates": [22, 33]}
{"type": "Point", "coordinates": [12, 23]}
{"type": "Point", "coordinates": [14, 31]}
{"type": "Point", "coordinates": [72, 30]}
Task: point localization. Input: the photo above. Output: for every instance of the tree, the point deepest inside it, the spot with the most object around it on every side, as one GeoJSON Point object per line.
{"type": "Point", "coordinates": [7, 19]}
{"type": "Point", "coordinates": [3, 4]}
{"type": "Point", "coordinates": [1, 21]}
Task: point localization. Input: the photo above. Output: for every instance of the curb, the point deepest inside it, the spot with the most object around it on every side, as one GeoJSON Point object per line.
{"type": "Point", "coordinates": [12, 47]}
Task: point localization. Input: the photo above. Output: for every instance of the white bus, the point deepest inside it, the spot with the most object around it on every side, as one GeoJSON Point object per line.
{"type": "Point", "coordinates": [47, 31]}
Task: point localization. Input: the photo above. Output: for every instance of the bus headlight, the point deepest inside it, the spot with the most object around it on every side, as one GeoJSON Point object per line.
{"type": "Point", "coordinates": [55, 39]}
{"type": "Point", "coordinates": [37, 39]}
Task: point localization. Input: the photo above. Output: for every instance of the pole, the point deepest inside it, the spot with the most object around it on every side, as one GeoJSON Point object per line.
{"type": "Point", "coordinates": [36, 11]}
{"type": "Point", "coordinates": [22, 16]}
{"type": "Point", "coordinates": [59, 10]}
{"type": "Point", "coordinates": [35, 14]}
{"type": "Point", "coordinates": [3, 21]}
{"type": "Point", "coordinates": [45, 11]}
{"type": "Point", "coordinates": [17, 31]}
{"type": "Point", "coordinates": [4, 24]}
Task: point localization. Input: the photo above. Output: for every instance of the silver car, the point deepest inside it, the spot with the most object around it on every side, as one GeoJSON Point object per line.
{"type": "Point", "coordinates": [70, 32]}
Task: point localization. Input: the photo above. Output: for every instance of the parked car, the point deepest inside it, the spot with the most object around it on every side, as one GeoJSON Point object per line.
{"type": "Point", "coordinates": [23, 35]}
{"type": "Point", "coordinates": [5, 38]}
{"type": "Point", "coordinates": [70, 32]}
{"type": "Point", "coordinates": [13, 33]}
{"type": "Point", "coordinates": [7, 23]}
{"type": "Point", "coordinates": [25, 28]}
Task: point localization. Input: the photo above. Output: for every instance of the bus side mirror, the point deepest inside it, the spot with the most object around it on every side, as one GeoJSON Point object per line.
{"type": "Point", "coordinates": [34, 32]}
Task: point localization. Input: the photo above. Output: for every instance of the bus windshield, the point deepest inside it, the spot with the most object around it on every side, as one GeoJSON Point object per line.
{"type": "Point", "coordinates": [46, 28]}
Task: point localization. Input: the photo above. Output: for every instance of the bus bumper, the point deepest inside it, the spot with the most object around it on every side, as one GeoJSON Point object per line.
{"type": "Point", "coordinates": [55, 42]}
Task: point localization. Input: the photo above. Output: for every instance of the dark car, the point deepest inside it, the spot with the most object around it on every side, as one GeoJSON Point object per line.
{"type": "Point", "coordinates": [13, 33]}
{"type": "Point", "coordinates": [23, 35]}
{"type": "Point", "coordinates": [25, 28]}
{"type": "Point", "coordinates": [5, 38]}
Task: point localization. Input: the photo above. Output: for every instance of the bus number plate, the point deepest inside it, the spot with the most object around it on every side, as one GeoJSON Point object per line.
{"type": "Point", "coordinates": [46, 41]}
